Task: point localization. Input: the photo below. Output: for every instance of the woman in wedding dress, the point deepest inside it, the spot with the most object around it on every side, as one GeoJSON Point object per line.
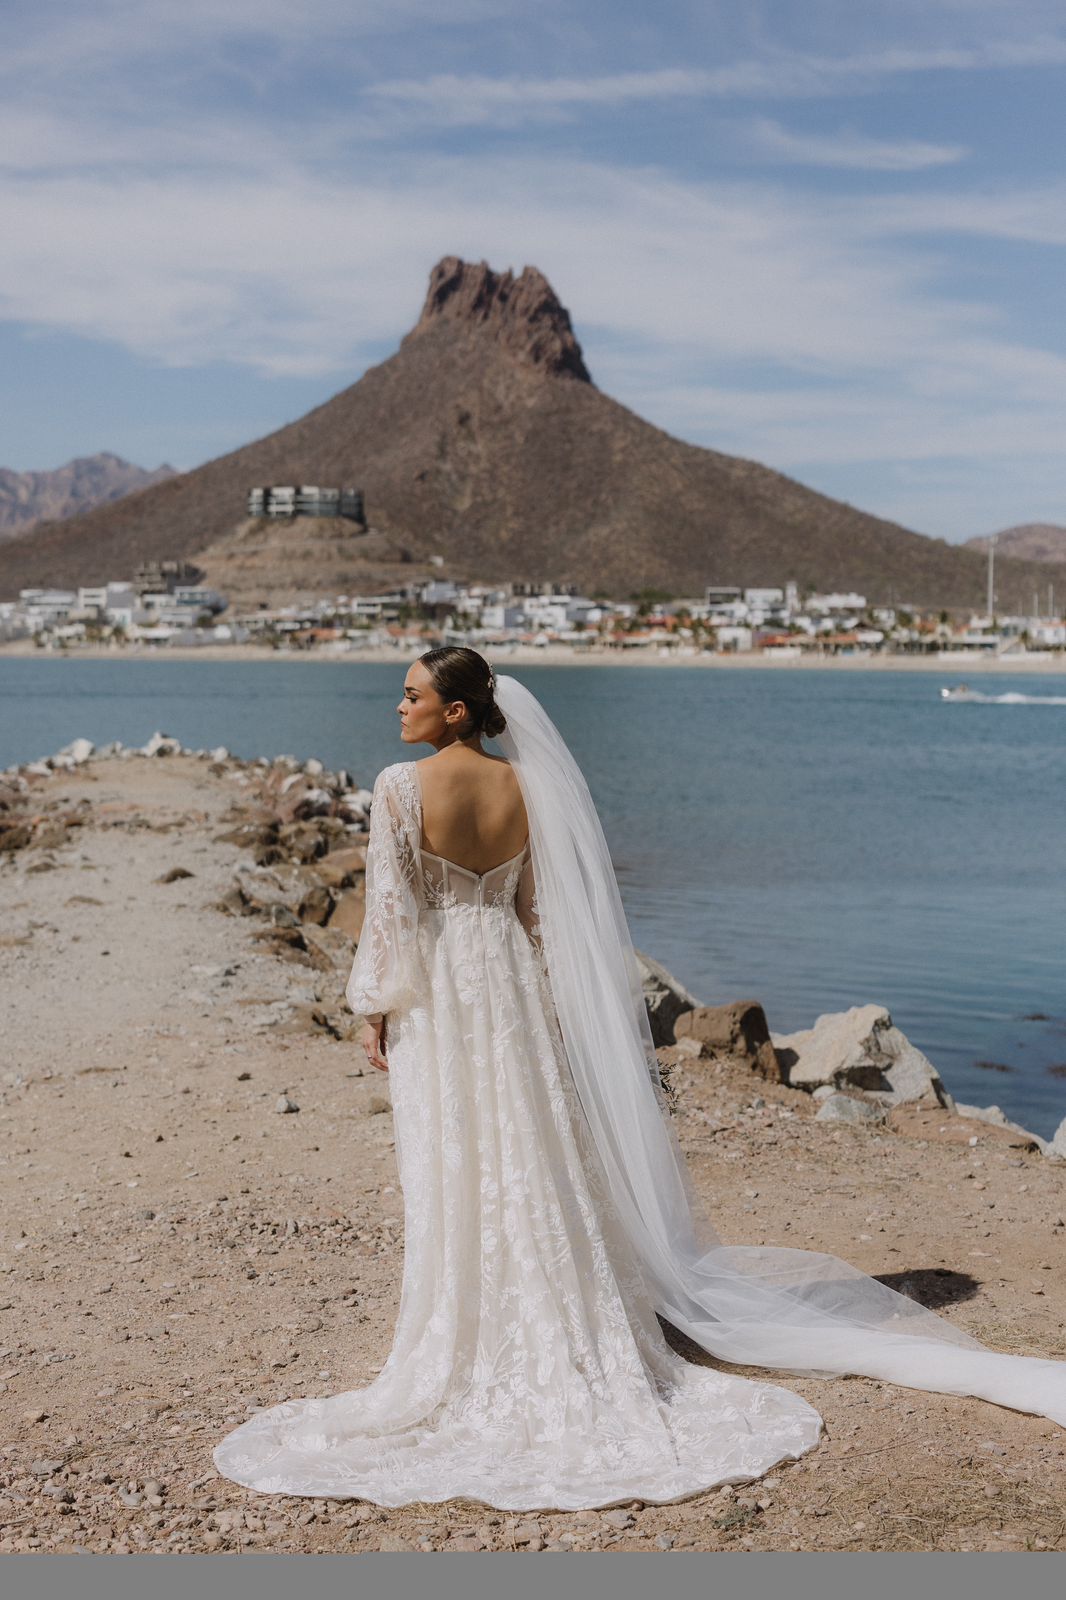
{"type": "Point", "coordinates": [548, 1212]}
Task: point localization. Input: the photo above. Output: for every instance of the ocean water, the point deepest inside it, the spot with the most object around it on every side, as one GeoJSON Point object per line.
{"type": "Point", "coordinates": [811, 839]}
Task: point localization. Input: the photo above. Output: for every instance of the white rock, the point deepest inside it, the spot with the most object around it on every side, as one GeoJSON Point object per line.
{"type": "Point", "coordinates": [994, 1115]}
{"type": "Point", "coordinates": [1055, 1147]}
{"type": "Point", "coordinates": [849, 1108]}
{"type": "Point", "coordinates": [862, 1049]}
{"type": "Point", "coordinates": [78, 750]}
{"type": "Point", "coordinates": [313, 767]}
{"type": "Point", "coordinates": [162, 744]}
{"type": "Point", "coordinates": [317, 801]}
{"type": "Point", "coordinates": [219, 753]}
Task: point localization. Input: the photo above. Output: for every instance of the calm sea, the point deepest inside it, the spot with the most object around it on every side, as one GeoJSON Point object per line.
{"type": "Point", "coordinates": [815, 840]}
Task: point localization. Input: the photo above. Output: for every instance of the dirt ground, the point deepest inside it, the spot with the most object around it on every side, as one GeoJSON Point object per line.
{"type": "Point", "coordinates": [176, 1250]}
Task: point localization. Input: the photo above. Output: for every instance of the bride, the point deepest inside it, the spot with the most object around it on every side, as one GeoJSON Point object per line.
{"type": "Point", "coordinates": [549, 1216]}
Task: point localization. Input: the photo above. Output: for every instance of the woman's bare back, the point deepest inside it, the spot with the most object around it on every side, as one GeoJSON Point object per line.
{"type": "Point", "coordinates": [472, 809]}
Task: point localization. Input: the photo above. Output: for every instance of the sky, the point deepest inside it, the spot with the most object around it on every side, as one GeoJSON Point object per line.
{"type": "Point", "coordinates": [825, 236]}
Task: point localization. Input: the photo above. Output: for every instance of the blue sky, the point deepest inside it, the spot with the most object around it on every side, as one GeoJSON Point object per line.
{"type": "Point", "coordinates": [822, 235]}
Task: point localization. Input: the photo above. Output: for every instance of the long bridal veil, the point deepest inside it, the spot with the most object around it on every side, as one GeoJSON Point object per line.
{"type": "Point", "coordinates": [797, 1311]}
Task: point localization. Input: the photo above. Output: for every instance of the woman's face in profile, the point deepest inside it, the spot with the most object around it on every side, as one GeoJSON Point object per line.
{"type": "Point", "coordinates": [421, 708]}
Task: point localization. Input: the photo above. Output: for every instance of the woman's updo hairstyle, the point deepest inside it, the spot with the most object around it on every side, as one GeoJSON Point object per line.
{"type": "Point", "coordinates": [459, 673]}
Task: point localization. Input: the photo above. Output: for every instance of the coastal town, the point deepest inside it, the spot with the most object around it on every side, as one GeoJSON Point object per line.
{"type": "Point", "coordinates": [167, 606]}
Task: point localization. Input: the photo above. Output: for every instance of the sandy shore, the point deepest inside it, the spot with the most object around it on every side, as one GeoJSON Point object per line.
{"type": "Point", "coordinates": [177, 1251]}
{"type": "Point", "coordinates": [562, 655]}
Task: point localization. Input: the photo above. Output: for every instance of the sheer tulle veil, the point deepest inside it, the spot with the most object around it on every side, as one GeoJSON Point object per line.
{"type": "Point", "coordinates": [797, 1311]}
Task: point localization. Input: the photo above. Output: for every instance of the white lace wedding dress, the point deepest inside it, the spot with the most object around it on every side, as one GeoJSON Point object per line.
{"type": "Point", "coordinates": [528, 1369]}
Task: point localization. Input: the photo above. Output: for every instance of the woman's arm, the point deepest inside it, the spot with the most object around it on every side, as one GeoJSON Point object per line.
{"type": "Point", "coordinates": [384, 975]}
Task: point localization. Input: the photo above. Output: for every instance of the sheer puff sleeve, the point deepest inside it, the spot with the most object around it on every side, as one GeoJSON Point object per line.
{"type": "Point", "coordinates": [385, 972]}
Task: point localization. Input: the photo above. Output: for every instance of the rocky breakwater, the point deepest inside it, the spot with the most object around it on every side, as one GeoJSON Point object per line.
{"type": "Point", "coordinates": [856, 1065]}
{"type": "Point", "coordinates": [305, 830]}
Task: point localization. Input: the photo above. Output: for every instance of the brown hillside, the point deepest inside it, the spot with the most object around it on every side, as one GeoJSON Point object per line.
{"type": "Point", "coordinates": [483, 440]}
{"type": "Point", "coordinates": [29, 497]}
{"type": "Point", "coordinates": [1030, 541]}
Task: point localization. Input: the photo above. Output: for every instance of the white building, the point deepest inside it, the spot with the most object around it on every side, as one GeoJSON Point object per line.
{"type": "Point", "coordinates": [305, 500]}
{"type": "Point", "coordinates": [45, 607]}
{"type": "Point", "coordinates": [547, 611]}
{"type": "Point", "coordinates": [92, 599]}
{"type": "Point", "coordinates": [733, 638]}
{"type": "Point", "coordinates": [197, 597]}
{"type": "Point", "coordinates": [499, 616]}
{"type": "Point", "coordinates": [121, 604]}
{"type": "Point", "coordinates": [822, 603]}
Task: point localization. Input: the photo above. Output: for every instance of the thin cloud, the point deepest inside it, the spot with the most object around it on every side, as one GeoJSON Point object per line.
{"type": "Point", "coordinates": [113, 33]}
{"type": "Point", "coordinates": [482, 100]}
{"type": "Point", "coordinates": [688, 277]}
{"type": "Point", "coordinates": [852, 151]}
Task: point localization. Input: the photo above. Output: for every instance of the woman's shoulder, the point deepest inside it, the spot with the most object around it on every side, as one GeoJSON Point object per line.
{"type": "Point", "coordinates": [429, 761]}
{"type": "Point", "coordinates": [398, 778]}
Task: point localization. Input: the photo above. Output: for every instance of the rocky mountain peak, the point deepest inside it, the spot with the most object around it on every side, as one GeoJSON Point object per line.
{"type": "Point", "coordinates": [521, 314]}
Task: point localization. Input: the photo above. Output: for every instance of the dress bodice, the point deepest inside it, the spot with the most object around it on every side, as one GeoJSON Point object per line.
{"type": "Point", "coordinates": [446, 884]}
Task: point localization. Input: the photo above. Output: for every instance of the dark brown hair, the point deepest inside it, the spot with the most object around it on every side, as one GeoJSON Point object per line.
{"type": "Point", "coordinates": [459, 673]}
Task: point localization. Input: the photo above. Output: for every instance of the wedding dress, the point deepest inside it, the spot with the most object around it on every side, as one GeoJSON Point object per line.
{"type": "Point", "coordinates": [548, 1214]}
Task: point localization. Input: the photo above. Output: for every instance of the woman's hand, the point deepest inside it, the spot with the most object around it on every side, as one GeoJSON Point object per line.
{"type": "Point", "coordinates": [374, 1042]}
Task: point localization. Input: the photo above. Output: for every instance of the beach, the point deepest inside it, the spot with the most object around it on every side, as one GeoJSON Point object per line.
{"type": "Point", "coordinates": [565, 655]}
{"type": "Point", "coordinates": [202, 1216]}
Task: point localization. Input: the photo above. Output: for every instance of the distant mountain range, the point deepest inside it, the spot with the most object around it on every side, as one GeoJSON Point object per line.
{"type": "Point", "coordinates": [27, 498]}
{"type": "Point", "coordinates": [1030, 541]}
{"type": "Point", "coordinates": [484, 443]}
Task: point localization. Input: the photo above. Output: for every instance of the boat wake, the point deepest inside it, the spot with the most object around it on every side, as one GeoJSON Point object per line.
{"type": "Point", "coordinates": [965, 695]}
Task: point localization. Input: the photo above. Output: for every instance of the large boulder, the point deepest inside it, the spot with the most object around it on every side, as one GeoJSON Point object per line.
{"type": "Point", "coordinates": [1055, 1147]}
{"type": "Point", "coordinates": [1027, 1140]}
{"type": "Point", "coordinates": [74, 754]}
{"type": "Point", "coordinates": [665, 997]}
{"type": "Point", "coordinates": [738, 1030]}
{"type": "Point", "coordinates": [316, 906]}
{"type": "Point", "coordinates": [852, 1108]}
{"type": "Point", "coordinates": [340, 869]}
{"type": "Point", "coordinates": [302, 841]}
{"type": "Point", "coordinates": [860, 1049]}
{"type": "Point", "coordinates": [162, 744]}
{"type": "Point", "coordinates": [349, 912]}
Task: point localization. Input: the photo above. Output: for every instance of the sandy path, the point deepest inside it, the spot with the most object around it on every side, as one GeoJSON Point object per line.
{"type": "Point", "coordinates": [176, 1251]}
